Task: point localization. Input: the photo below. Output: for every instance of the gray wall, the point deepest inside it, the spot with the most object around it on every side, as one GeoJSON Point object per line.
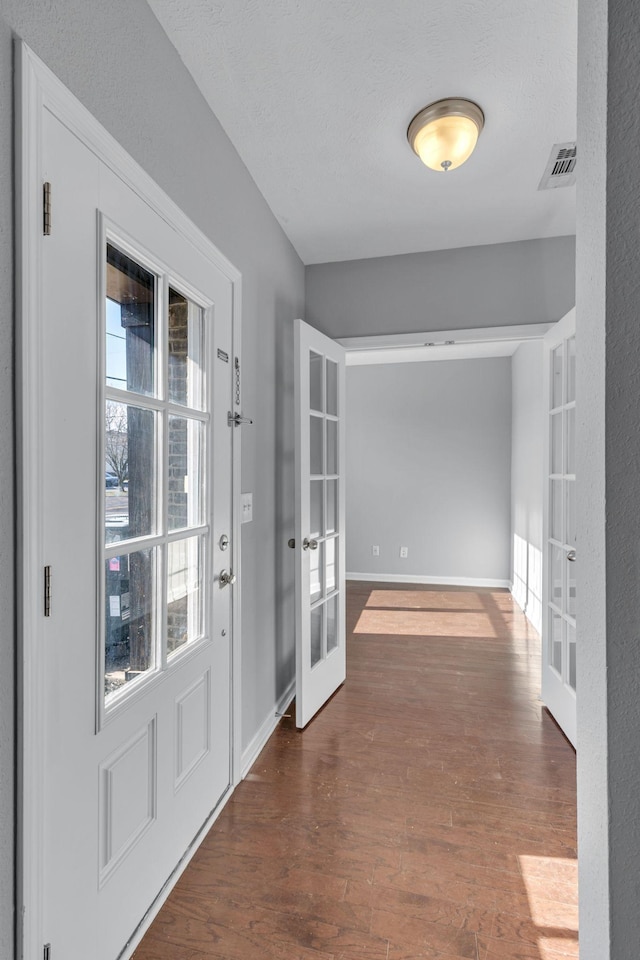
{"type": "Point", "coordinates": [608, 488]}
{"type": "Point", "coordinates": [429, 467]}
{"type": "Point", "coordinates": [532, 281]}
{"type": "Point", "coordinates": [115, 57]}
{"type": "Point", "coordinates": [526, 478]}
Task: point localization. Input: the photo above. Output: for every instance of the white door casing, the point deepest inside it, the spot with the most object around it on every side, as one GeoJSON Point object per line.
{"type": "Point", "coordinates": [320, 519]}
{"type": "Point", "coordinates": [559, 648]}
{"type": "Point", "coordinates": [113, 792]}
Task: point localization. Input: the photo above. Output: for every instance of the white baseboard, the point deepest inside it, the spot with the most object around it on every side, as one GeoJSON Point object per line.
{"type": "Point", "coordinates": [250, 754]}
{"type": "Point", "coordinates": [436, 581]}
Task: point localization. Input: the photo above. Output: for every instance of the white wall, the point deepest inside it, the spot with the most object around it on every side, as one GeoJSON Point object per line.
{"type": "Point", "coordinates": [429, 467]}
{"type": "Point", "coordinates": [527, 479]}
{"type": "Point", "coordinates": [608, 479]}
{"type": "Point", "coordinates": [532, 281]}
{"type": "Point", "coordinates": [118, 61]}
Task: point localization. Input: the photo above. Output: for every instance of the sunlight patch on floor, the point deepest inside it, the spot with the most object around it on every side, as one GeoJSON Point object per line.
{"type": "Point", "coordinates": [422, 623]}
{"type": "Point", "coordinates": [551, 884]}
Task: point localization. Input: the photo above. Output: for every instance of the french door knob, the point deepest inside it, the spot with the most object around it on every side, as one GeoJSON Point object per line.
{"type": "Point", "coordinates": [571, 556]}
{"type": "Point", "coordinates": [309, 544]}
{"type": "Point", "coordinates": [227, 578]}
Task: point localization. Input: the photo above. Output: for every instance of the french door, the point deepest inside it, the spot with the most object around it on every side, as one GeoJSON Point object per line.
{"type": "Point", "coordinates": [320, 520]}
{"type": "Point", "coordinates": [559, 648]}
{"type": "Point", "coordinates": [131, 524]}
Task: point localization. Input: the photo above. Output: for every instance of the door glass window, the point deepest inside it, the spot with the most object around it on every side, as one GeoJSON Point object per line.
{"type": "Point", "coordinates": [155, 437]}
{"type": "Point", "coordinates": [185, 351]}
{"type": "Point", "coordinates": [130, 621]}
{"type": "Point", "coordinates": [130, 324]}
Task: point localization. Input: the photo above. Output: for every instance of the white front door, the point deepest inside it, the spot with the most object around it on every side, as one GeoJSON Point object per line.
{"type": "Point", "coordinates": [320, 520]}
{"type": "Point", "coordinates": [559, 587]}
{"type": "Point", "coordinates": [133, 501]}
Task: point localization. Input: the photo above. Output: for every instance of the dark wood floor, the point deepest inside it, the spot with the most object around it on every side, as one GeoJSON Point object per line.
{"type": "Point", "coordinates": [428, 811]}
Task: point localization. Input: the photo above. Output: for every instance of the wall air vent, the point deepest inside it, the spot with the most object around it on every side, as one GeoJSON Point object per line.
{"type": "Point", "coordinates": [561, 168]}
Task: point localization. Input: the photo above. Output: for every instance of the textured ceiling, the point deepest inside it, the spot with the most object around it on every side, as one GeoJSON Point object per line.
{"type": "Point", "coordinates": [316, 96]}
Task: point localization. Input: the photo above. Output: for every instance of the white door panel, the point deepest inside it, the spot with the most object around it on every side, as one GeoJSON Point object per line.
{"type": "Point", "coordinates": [131, 774]}
{"type": "Point", "coordinates": [559, 588]}
{"type": "Point", "coordinates": [320, 520]}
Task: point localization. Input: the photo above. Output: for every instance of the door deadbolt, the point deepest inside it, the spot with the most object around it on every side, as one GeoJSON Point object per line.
{"type": "Point", "coordinates": [223, 542]}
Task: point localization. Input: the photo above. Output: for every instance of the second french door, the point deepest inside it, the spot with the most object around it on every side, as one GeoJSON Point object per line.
{"type": "Point", "coordinates": [559, 648]}
{"type": "Point", "coordinates": [320, 520]}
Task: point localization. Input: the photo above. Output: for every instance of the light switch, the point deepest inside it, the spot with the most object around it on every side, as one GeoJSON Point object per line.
{"type": "Point", "coordinates": [246, 515]}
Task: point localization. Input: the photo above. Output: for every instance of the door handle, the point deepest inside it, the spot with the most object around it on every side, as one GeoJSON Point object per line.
{"type": "Point", "coordinates": [309, 544]}
{"type": "Point", "coordinates": [227, 578]}
{"type": "Point", "coordinates": [571, 556]}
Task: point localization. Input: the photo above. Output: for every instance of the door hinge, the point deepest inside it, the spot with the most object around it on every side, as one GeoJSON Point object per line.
{"type": "Point", "coordinates": [236, 420]}
{"type": "Point", "coordinates": [46, 953]}
{"type": "Point", "coordinates": [46, 208]}
{"type": "Point", "coordinates": [47, 591]}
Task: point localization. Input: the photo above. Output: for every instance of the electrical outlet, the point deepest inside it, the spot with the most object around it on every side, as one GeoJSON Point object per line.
{"type": "Point", "coordinates": [246, 514]}
{"type": "Point", "coordinates": [375, 550]}
{"type": "Point", "coordinates": [404, 553]}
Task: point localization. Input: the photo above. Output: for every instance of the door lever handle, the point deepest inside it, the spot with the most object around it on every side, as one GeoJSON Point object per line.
{"type": "Point", "coordinates": [309, 544]}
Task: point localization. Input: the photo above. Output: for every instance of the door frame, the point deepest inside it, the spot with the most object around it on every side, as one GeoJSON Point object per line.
{"type": "Point", "coordinates": [38, 90]}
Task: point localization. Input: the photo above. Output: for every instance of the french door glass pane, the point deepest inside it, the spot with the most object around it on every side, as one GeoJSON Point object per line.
{"type": "Point", "coordinates": [130, 324]}
{"type": "Point", "coordinates": [570, 440]}
{"type": "Point", "coordinates": [556, 377]}
{"type": "Point", "coordinates": [571, 589]}
{"type": "Point", "coordinates": [332, 388]}
{"type": "Point", "coordinates": [570, 512]}
{"type": "Point", "coordinates": [555, 508]}
{"type": "Point", "coordinates": [331, 607]}
{"type": "Point", "coordinates": [316, 635]}
{"type": "Point", "coordinates": [332, 506]}
{"type": "Point", "coordinates": [184, 483]}
{"type": "Point", "coordinates": [556, 443]}
{"type": "Point", "coordinates": [315, 428]}
{"type": "Point", "coordinates": [185, 351]}
{"type": "Point", "coordinates": [571, 370]}
{"type": "Point", "coordinates": [332, 446]}
{"type": "Point", "coordinates": [571, 644]}
{"type": "Point", "coordinates": [330, 554]}
{"type": "Point", "coordinates": [316, 508]}
{"type": "Point", "coordinates": [130, 459]}
{"type": "Point", "coordinates": [316, 571]}
{"type": "Point", "coordinates": [315, 382]}
{"type": "Point", "coordinates": [556, 573]}
{"type": "Point", "coordinates": [184, 592]}
{"type": "Point", "coordinates": [555, 632]}
{"type": "Point", "coordinates": [130, 617]}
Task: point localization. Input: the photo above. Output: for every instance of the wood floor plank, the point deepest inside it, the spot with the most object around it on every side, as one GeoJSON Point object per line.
{"type": "Point", "coordinates": [427, 811]}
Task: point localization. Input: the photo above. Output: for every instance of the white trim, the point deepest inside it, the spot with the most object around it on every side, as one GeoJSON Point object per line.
{"type": "Point", "coordinates": [436, 581]}
{"type": "Point", "coordinates": [471, 344]}
{"type": "Point", "coordinates": [236, 541]}
{"type": "Point", "coordinates": [523, 331]}
{"type": "Point", "coordinates": [37, 89]}
{"type": "Point", "coordinates": [259, 741]}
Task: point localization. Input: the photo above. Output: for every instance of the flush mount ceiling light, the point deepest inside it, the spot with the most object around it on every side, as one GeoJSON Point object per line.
{"type": "Point", "coordinates": [445, 133]}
